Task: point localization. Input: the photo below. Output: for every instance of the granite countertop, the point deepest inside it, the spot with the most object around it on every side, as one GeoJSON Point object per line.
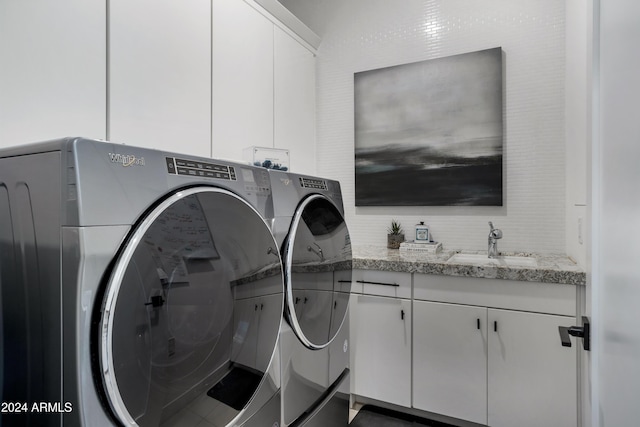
{"type": "Point", "coordinates": [262, 273]}
{"type": "Point", "coordinates": [321, 267]}
{"type": "Point", "coordinates": [549, 269]}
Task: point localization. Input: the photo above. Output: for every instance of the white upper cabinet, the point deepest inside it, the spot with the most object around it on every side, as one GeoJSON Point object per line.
{"type": "Point", "coordinates": [52, 70]}
{"type": "Point", "coordinates": [242, 79]}
{"type": "Point", "coordinates": [160, 74]}
{"type": "Point", "coordinates": [263, 86]}
{"type": "Point", "coordinates": [295, 102]}
{"type": "Point", "coordinates": [201, 77]}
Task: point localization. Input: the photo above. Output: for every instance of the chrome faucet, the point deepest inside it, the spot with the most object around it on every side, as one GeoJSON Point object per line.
{"type": "Point", "coordinates": [494, 235]}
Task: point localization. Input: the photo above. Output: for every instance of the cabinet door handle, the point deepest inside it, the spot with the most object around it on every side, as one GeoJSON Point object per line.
{"type": "Point", "coordinates": [365, 282]}
{"type": "Point", "coordinates": [478, 323]}
{"type": "Point", "coordinates": [156, 301]}
{"type": "Point", "coordinates": [402, 314]}
{"type": "Point", "coordinates": [495, 326]}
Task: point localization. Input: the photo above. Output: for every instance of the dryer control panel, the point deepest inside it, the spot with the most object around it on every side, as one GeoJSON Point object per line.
{"type": "Point", "coordinates": [197, 168]}
{"type": "Point", "coordinates": [315, 183]}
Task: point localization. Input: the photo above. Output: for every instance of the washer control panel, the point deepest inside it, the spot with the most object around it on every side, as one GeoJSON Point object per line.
{"type": "Point", "coordinates": [200, 169]}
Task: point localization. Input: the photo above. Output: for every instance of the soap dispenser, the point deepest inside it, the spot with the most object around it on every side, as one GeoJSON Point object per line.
{"type": "Point", "coordinates": [422, 233]}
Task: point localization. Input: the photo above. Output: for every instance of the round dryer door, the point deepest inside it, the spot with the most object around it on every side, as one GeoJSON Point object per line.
{"type": "Point", "coordinates": [192, 312]}
{"type": "Point", "coordinates": [318, 264]}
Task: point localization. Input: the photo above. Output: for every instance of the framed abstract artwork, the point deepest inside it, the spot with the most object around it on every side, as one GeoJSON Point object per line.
{"type": "Point", "coordinates": [430, 133]}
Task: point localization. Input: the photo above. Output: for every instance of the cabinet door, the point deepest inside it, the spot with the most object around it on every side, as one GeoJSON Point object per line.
{"type": "Point", "coordinates": [315, 315]}
{"type": "Point", "coordinates": [245, 337]}
{"type": "Point", "coordinates": [252, 345]}
{"type": "Point", "coordinates": [382, 349]}
{"type": "Point", "coordinates": [52, 70]}
{"type": "Point", "coordinates": [339, 306]}
{"type": "Point", "coordinates": [450, 360]}
{"type": "Point", "coordinates": [340, 348]}
{"type": "Point", "coordinates": [532, 378]}
{"type": "Point", "coordinates": [270, 307]}
{"type": "Point", "coordinates": [295, 102]}
{"type": "Point", "coordinates": [160, 74]}
{"type": "Point", "coordinates": [242, 79]}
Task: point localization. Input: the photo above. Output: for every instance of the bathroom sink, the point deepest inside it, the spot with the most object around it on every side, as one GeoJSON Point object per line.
{"type": "Point", "coordinates": [484, 260]}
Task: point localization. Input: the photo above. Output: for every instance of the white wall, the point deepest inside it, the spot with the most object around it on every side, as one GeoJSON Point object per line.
{"type": "Point", "coordinates": [367, 34]}
{"type": "Point", "coordinates": [578, 81]}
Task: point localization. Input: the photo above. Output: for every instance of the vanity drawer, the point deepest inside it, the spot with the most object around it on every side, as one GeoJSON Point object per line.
{"type": "Point", "coordinates": [549, 298]}
{"type": "Point", "coordinates": [381, 283]}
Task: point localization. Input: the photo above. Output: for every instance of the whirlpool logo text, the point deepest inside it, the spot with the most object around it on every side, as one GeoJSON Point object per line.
{"type": "Point", "coordinates": [126, 159]}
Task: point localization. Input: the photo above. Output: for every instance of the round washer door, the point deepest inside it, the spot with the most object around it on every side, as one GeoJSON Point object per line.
{"type": "Point", "coordinates": [318, 265]}
{"type": "Point", "coordinates": [192, 312]}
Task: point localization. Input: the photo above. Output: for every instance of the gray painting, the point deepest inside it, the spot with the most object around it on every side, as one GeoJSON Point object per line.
{"type": "Point", "coordinates": [429, 133]}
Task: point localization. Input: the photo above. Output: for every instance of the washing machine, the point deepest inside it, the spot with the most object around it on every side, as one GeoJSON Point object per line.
{"type": "Point", "coordinates": [138, 287]}
{"type": "Point", "coordinates": [311, 231]}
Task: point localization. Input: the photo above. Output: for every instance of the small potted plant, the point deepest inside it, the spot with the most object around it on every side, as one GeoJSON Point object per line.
{"type": "Point", "coordinates": [395, 235]}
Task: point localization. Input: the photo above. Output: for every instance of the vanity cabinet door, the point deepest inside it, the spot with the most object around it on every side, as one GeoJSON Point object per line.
{"type": "Point", "coordinates": [381, 337]}
{"type": "Point", "coordinates": [247, 315]}
{"type": "Point", "coordinates": [532, 378]}
{"type": "Point", "coordinates": [450, 360]}
{"type": "Point", "coordinates": [251, 337]}
{"type": "Point", "coordinates": [270, 307]}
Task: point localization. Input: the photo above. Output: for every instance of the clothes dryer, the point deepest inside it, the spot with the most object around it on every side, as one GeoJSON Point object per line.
{"type": "Point", "coordinates": [310, 228]}
{"type": "Point", "coordinates": [138, 287]}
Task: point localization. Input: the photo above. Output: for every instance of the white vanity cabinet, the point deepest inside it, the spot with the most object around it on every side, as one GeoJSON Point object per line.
{"type": "Point", "coordinates": [247, 343]}
{"type": "Point", "coordinates": [488, 351]}
{"type": "Point", "coordinates": [381, 336]}
{"type": "Point", "coordinates": [450, 360]}
{"type": "Point", "coordinates": [532, 379]}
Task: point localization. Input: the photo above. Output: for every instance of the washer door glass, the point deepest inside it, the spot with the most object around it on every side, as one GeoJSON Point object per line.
{"type": "Point", "coordinates": [318, 271]}
{"type": "Point", "coordinates": [192, 312]}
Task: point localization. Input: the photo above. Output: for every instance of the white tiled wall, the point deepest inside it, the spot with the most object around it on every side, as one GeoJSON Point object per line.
{"type": "Point", "coordinates": [366, 34]}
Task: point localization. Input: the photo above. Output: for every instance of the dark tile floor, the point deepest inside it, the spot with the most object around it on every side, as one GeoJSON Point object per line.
{"type": "Point", "coordinates": [372, 416]}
